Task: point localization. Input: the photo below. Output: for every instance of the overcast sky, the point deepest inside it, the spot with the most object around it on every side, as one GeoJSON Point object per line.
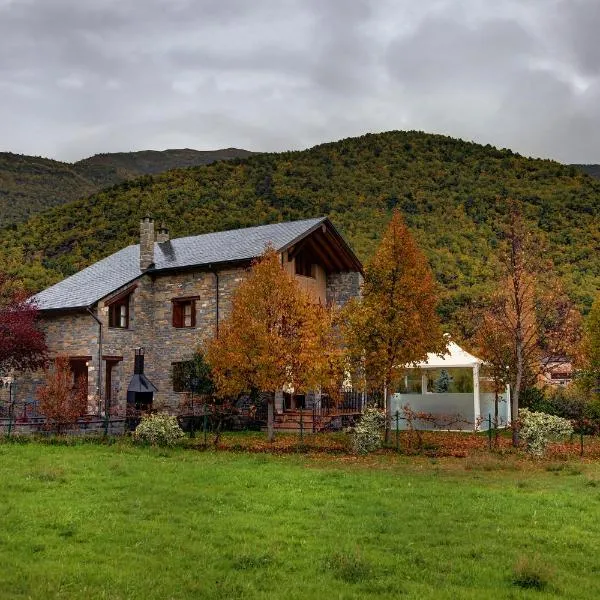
{"type": "Point", "coordinates": [78, 77]}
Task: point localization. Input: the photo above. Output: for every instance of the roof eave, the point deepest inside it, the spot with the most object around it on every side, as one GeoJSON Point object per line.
{"type": "Point", "coordinates": [66, 309]}
{"type": "Point", "coordinates": [325, 221]}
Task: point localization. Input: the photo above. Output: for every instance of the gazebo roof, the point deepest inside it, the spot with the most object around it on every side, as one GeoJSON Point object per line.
{"type": "Point", "coordinates": [454, 357]}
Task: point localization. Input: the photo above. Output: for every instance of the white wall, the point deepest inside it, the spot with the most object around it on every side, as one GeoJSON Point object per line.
{"type": "Point", "coordinates": [451, 411]}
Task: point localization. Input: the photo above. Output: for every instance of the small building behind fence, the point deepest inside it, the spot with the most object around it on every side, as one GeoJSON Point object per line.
{"type": "Point", "coordinates": [451, 392]}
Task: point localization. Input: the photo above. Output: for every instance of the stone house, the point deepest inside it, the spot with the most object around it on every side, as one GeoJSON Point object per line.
{"type": "Point", "coordinates": [556, 371]}
{"type": "Point", "coordinates": [166, 296]}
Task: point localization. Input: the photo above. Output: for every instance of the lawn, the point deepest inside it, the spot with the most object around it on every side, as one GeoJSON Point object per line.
{"type": "Point", "coordinates": [93, 521]}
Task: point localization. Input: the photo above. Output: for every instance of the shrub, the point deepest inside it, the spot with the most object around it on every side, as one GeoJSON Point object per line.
{"type": "Point", "coordinates": [349, 567]}
{"type": "Point", "coordinates": [538, 429]}
{"type": "Point", "coordinates": [569, 403]}
{"type": "Point", "coordinates": [367, 435]}
{"type": "Point", "coordinates": [531, 573]}
{"type": "Point", "coordinates": [61, 401]}
{"type": "Point", "coordinates": [158, 430]}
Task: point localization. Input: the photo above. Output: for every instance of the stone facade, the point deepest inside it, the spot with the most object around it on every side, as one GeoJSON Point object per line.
{"type": "Point", "coordinates": [71, 333]}
{"type": "Point", "coordinates": [341, 287]}
{"type": "Point", "coordinates": [150, 297]}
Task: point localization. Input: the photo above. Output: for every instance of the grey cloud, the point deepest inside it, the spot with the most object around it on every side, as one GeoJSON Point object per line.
{"type": "Point", "coordinates": [79, 77]}
{"type": "Point", "coordinates": [577, 26]}
{"type": "Point", "coordinates": [444, 51]}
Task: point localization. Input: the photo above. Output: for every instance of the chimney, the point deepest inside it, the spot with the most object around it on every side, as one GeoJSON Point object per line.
{"type": "Point", "coordinates": [162, 235]}
{"type": "Point", "coordinates": [138, 361]}
{"type": "Point", "coordinates": [146, 243]}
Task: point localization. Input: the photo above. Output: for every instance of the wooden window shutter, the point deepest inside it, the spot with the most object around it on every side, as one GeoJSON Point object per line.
{"type": "Point", "coordinates": [193, 307]}
{"type": "Point", "coordinates": [177, 314]}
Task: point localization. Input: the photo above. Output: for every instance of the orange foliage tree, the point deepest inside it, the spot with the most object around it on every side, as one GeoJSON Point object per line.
{"type": "Point", "coordinates": [529, 320]}
{"type": "Point", "coordinates": [395, 323]}
{"type": "Point", "coordinates": [274, 338]}
{"type": "Point", "coordinates": [61, 400]}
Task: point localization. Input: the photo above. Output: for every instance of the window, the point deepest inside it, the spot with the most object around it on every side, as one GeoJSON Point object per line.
{"type": "Point", "coordinates": [118, 314]}
{"type": "Point", "coordinates": [118, 310]}
{"type": "Point", "coordinates": [181, 375]}
{"type": "Point", "coordinates": [304, 265]}
{"type": "Point", "coordinates": [294, 401]}
{"type": "Point", "coordinates": [184, 312]}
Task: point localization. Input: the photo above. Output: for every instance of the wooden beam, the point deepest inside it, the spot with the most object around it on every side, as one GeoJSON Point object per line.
{"type": "Point", "coordinates": [331, 250]}
{"type": "Point", "coordinates": [295, 250]}
{"type": "Point", "coordinates": [323, 256]}
{"type": "Point", "coordinates": [346, 263]}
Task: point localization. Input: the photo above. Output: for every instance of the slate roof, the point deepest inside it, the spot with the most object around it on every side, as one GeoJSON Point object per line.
{"type": "Point", "coordinates": [109, 274]}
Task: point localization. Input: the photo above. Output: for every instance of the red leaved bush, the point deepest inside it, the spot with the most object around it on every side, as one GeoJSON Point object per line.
{"type": "Point", "coordinates": [22, 344]}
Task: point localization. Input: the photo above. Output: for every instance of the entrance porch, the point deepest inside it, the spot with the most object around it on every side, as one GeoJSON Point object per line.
{"type": "Point", "coordinates": [316, 412]}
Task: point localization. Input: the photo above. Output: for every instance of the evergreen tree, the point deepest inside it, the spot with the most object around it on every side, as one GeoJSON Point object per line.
{"type": "Point", "coordinates": [442, 383]}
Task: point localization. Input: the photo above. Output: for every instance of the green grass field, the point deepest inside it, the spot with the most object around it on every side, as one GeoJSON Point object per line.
{"type": "Point", "coordinates": [112, 522]}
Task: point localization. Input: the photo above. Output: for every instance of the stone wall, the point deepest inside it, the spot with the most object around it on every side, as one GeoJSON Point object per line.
{"type": "Point", "coordinates": [69, 333]}
{"type": "Point", "coordinates": [94, 428]}
{"type": "Point", "coordinates": [151, 327]}
{"type": "Point", "coordinates": [341, 287]}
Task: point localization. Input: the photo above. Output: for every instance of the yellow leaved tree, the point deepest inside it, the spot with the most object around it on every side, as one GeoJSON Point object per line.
{"type": "Point", "coordinates": [275, 337]}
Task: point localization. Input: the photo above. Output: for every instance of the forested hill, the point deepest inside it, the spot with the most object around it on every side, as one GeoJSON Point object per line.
{"type": "Point", "coordinates": [593, 170]}
{"type": "Point", "coordinates": [29, 184]}
{"type": "Point", "coordinates": [452, 194]}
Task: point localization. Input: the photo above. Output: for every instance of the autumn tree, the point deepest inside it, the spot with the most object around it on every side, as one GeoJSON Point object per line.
{"type": "Point", "coordinates": [395, 323]}
{"type": "Point", "coordinates": [22, 344]}
{"type": "Point", "coordinates": [61, 399]}
{"type": "Point", "coordinates": [529, 320]}
{"type": "Point", "coordinates": [274, 338]}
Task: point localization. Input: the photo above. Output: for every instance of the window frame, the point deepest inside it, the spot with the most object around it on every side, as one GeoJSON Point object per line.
{"type": "Point", "coordinates": [179, 317]}
{"type": "Point", "coordinates": [304, 266]}
{"type": "Point", "coordinates": [179, 372]}
{"type": "Point", "coordinates": [116, 315]}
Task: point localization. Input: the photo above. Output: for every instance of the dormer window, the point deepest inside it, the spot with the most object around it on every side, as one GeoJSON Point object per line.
{"type": "Point", "coordinates": [184, 312]}
{"type": "Point", "coordinates": [119, 311]}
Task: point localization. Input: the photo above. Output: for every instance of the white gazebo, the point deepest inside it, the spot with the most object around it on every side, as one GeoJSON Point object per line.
{"type": "Point", "coordinates": [450, 408]}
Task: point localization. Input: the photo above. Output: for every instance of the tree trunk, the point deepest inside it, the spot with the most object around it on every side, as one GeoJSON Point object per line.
{"type": "Point", "coordinates": [270, 419]}
{"type": "Point", "coordinates": [388, 414]}
{"type": "Point", "coordinates": [514, 410]}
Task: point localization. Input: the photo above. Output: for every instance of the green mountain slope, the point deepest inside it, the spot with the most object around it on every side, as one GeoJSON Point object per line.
{"type": "Point", "coordinates": [29, 184]}
{"type": "Point", "coordinates": [451, 193]}
{"type": "Point", "coordinates": [593, 170]}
